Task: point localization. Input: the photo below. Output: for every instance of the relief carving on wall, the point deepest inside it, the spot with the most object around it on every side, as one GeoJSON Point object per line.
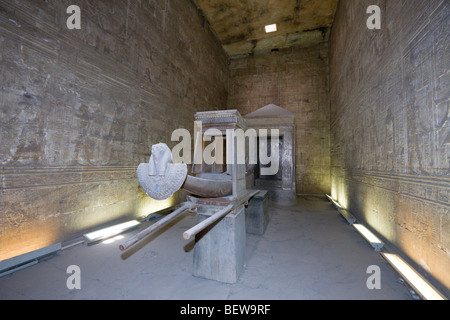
{"type": "Point", "coordinates": [15, 217]}
{"type": "Point", "coordinates": [428, 125]}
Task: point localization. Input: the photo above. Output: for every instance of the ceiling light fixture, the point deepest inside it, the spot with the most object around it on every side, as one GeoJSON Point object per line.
{"type": "Point", "coordinates": [271, 28]}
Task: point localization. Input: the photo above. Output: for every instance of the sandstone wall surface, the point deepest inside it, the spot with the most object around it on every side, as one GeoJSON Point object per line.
{"type": "Point", "coordinates": [295, 79]}
{"type": "Point", "coordinates": [80, 109]}
{"type": "Point", "coordinates": [389, 93]}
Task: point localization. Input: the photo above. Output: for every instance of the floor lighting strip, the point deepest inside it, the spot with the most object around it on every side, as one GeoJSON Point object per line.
{"type": "Point", "coordinates": [109, 232]}
{"type": "Point", "coordinates": [376, 243]}
{"type": "Point", "coordinates": [424, 289]}
{"type": "Point", "coordinates": [421, 286]}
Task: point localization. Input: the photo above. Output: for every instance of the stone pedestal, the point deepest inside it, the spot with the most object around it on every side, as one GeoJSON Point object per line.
{"type": "Point", "coordinates": [219, 250]}
{"type": "Point", "coordinates": [257, 214]}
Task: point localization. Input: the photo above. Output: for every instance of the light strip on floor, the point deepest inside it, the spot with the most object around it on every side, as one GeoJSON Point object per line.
{"type": "Point", "coordinates": [424, 289]}
{"type": "Point", "coordinates": [336, 204]}
{"type": "Point", "coordinates": [109, 231]}
{"type": "Point", "coordinates": [111, 240]}
{"type": "Point", "coordinates": [376, 243]}
{"type": "Point", "coordinates": [347, 216]}
{"type": "Point", "coordinates": [28, 259]}
{"type": "Point", "coordinates": [345, 213]}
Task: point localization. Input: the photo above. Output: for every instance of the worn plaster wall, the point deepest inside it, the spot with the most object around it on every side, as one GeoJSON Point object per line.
{"type": "Point", "coordinates": [295, 79]}
{"type": "Point", "coordinates": [389, 93]}
{"type": "Point", "coordinates": [80, 109]}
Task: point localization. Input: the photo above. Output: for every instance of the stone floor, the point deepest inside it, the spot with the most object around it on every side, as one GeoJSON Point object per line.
{"type": "Point", "coordinates": [307, 252]}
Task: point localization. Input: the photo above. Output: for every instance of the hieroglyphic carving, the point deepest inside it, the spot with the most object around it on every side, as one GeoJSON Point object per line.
{"type": "Point", "coordinates": [427, 121]}
{"type": "Point", "coordinates": [79, 110]}
{"type": "Point", "coordinates": [15, 217]}
{"type": "Point", "coordinates": [390, 125]}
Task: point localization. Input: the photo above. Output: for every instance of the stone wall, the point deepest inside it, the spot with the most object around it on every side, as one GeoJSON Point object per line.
{"type": "Point", "coordinates": [295, 79]}
{"type": "Point", "coordinates": [80, 109]}
{"type": "Point", "coordinates": [389, 93]}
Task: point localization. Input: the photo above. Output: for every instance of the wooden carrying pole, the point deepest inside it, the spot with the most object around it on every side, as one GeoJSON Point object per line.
{"type": "Point", "coordinates": [145, 233]}
{"type": "Point", "coordinates": [205, 223]}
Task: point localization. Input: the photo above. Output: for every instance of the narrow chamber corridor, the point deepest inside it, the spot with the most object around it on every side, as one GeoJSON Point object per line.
{"type": "Point", "coordinates": [119, 111]}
